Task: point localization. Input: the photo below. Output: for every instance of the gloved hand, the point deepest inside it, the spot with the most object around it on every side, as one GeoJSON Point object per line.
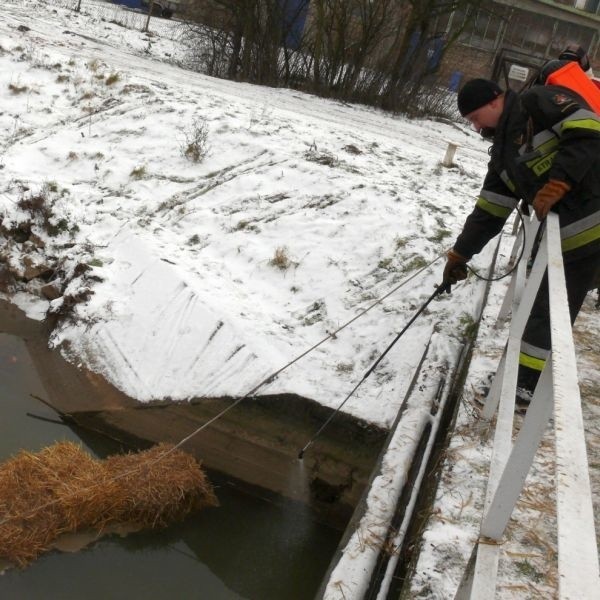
{"type": "Point", "coordinates": [455, 269]}
{"type": "Point", "coordinates": [552, 191]}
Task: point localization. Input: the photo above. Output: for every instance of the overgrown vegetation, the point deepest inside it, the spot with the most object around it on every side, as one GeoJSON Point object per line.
{"type": "Point", "coordinates": [379, 52]}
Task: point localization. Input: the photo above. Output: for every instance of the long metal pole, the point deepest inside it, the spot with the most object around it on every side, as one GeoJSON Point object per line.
{"type": "Point", "coordinates": [440, 289]}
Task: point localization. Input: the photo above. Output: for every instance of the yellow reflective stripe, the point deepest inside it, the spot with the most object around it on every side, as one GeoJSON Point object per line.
{"type": "Point", "coordinates": [581, 239]}
{"type": "Point", "coordinates": [494, 209]}
{"type": "Point", "coordinates": [537, 364]}
{"type": "Point", "coordinates": [543, 164]}
{"type": "Point", "coordinates": [544, 149]}
{"type": "Point", "coordinates": [592, 124]}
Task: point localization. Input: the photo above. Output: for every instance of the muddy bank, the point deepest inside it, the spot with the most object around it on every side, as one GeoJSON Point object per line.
{"type": "Point", "coordinates": [256, 443]}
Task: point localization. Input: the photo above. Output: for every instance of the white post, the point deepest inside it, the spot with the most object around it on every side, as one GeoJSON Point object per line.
{"type": "Point", "coordinates": [527, 234]}
{"type": "Point", "coordinates": [578, 570]}
{"type": "Point", "coordinates": [521, 458]}
{"type": "Point", "coordinates": [449, 157]}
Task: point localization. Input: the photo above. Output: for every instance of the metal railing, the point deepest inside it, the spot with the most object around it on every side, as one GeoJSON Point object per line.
{"type": "Point", "coordinates": [556, 395]}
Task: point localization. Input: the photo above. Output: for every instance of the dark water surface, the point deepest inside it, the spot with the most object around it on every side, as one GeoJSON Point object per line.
{"type": "Point", "coordinates": [247, 548]}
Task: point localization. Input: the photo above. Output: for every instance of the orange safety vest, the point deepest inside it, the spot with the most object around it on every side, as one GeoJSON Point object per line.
{"type": "Point", "coordinates": [573, 77]}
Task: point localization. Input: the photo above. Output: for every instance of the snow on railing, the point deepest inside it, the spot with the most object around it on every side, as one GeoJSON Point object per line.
{"type": "Point", "coordinates": [557, 393]}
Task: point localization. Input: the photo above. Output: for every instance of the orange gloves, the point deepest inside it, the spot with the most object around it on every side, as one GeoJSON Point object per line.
{"type": "Point", "coordinates": [455, 269]}
{"type": "Point", "coordinates": [552, 191]}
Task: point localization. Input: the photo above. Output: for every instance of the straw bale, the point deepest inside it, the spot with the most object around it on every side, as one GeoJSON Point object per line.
{"type": "Point", "coordinates": [160, 491]}
{"type": "Point", "coordinates": [63, 489]}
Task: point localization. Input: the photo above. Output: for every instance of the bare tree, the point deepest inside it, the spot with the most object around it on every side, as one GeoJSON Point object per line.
{"type": "Point", "coordinates": [373, 51]}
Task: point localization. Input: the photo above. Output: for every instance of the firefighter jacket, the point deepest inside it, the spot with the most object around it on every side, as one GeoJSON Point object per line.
{"type": "Point", "coordinates": [547, 132]}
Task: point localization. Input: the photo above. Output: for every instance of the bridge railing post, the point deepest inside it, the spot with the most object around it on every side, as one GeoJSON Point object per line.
{"type": "Point", "coordinates": [557, 394]}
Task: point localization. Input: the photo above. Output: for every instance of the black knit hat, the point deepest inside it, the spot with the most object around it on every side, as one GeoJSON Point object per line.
{"type": "Point", "coordinates": [477, 93]}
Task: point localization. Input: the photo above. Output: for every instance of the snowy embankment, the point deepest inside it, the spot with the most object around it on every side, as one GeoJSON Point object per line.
{"type": "Point", "coordinates": [182, 279]}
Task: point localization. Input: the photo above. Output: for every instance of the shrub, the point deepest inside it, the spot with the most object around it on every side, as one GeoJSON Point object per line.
{"type": "Point", "coordinates": [195, 145]}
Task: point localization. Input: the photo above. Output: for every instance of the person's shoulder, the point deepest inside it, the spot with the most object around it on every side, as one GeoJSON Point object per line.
{"type": "Point", "coordinates": [550, 97]}
{"type": "Point", "coordinates": [530, 98]}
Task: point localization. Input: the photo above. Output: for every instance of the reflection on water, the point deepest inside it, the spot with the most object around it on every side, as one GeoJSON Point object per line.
{"type": "Point", "coordinates": [246, 548]}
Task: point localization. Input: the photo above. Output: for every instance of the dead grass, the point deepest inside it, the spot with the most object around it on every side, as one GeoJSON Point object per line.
{"type": "Point", "coordinates": [138, 172]}
{"type": "Point", "coordinates": [281, 260]}
{"type": "Point", "coordinates": [195, 146]}
{"type": "Point", "coordinates": [321, 157]}
{"type": "Point", "coordinates": [62, 489]}
{"type": "Point", "coordinates": [17, 89]}
{"type": "Point", "coordinates": [112, 79]}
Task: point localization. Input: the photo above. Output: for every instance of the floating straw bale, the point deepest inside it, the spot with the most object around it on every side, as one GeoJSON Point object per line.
{"type": "Point", "coordinates": [62, 489]}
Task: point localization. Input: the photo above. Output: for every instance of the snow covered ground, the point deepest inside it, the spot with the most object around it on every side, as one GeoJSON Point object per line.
{"type": "Point", "coordinates": [209, 276]}
{"type": "Point", "coordinates": [185, 279]}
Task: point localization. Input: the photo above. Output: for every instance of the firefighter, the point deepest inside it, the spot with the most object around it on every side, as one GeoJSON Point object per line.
{"type": "Point", "coordinates": [563, 176]}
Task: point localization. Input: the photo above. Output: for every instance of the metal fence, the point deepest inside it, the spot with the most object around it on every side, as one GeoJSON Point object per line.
{"type": "Point", "coordinates": [556, 395]}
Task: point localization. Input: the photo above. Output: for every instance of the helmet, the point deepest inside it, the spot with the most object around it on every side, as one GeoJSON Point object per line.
{"type": "Point", "coordinates": [549, 68]}
{"type": "Point", "coordinates": [576, 53]}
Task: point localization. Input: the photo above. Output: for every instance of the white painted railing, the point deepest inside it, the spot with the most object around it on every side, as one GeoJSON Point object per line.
{"type": "Point", "coordinates": [557, 394]}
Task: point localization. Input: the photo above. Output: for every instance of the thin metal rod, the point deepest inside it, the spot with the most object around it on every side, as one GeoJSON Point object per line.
{"type": "Point", "coordinates": [438, 290]}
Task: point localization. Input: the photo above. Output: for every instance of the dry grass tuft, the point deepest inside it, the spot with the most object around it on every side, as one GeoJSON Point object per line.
{"type": "Point", "coordinates": [17, 89]}
{"type": "Point", "coordinates": [63, 489]}
{"type": "Point", "coordinates": [195, 146]}
{"type": "Point", "coordinates": [138, 172]}
{"type": "Point", "coordinates": [112, 79]}
{"type": "Point", "coordinates": [281, 260]}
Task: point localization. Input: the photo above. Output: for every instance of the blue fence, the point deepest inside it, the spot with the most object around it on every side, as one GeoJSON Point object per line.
{"type": "Point", "coordinates": [129, 3]}
{"type": "Point", "coordinates": [294, 20]}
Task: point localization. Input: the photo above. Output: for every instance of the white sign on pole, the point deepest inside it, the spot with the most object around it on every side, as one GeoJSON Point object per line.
{"type": "Point", "coordinates": [518, 72]}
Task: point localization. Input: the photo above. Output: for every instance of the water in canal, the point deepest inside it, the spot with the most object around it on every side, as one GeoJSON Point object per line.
{"type": "Point", "coordinates": [246, 548]}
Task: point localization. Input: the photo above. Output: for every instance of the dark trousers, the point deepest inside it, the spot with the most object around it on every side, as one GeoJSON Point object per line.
{"type": "Point", "coordinates": [581, 276]}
